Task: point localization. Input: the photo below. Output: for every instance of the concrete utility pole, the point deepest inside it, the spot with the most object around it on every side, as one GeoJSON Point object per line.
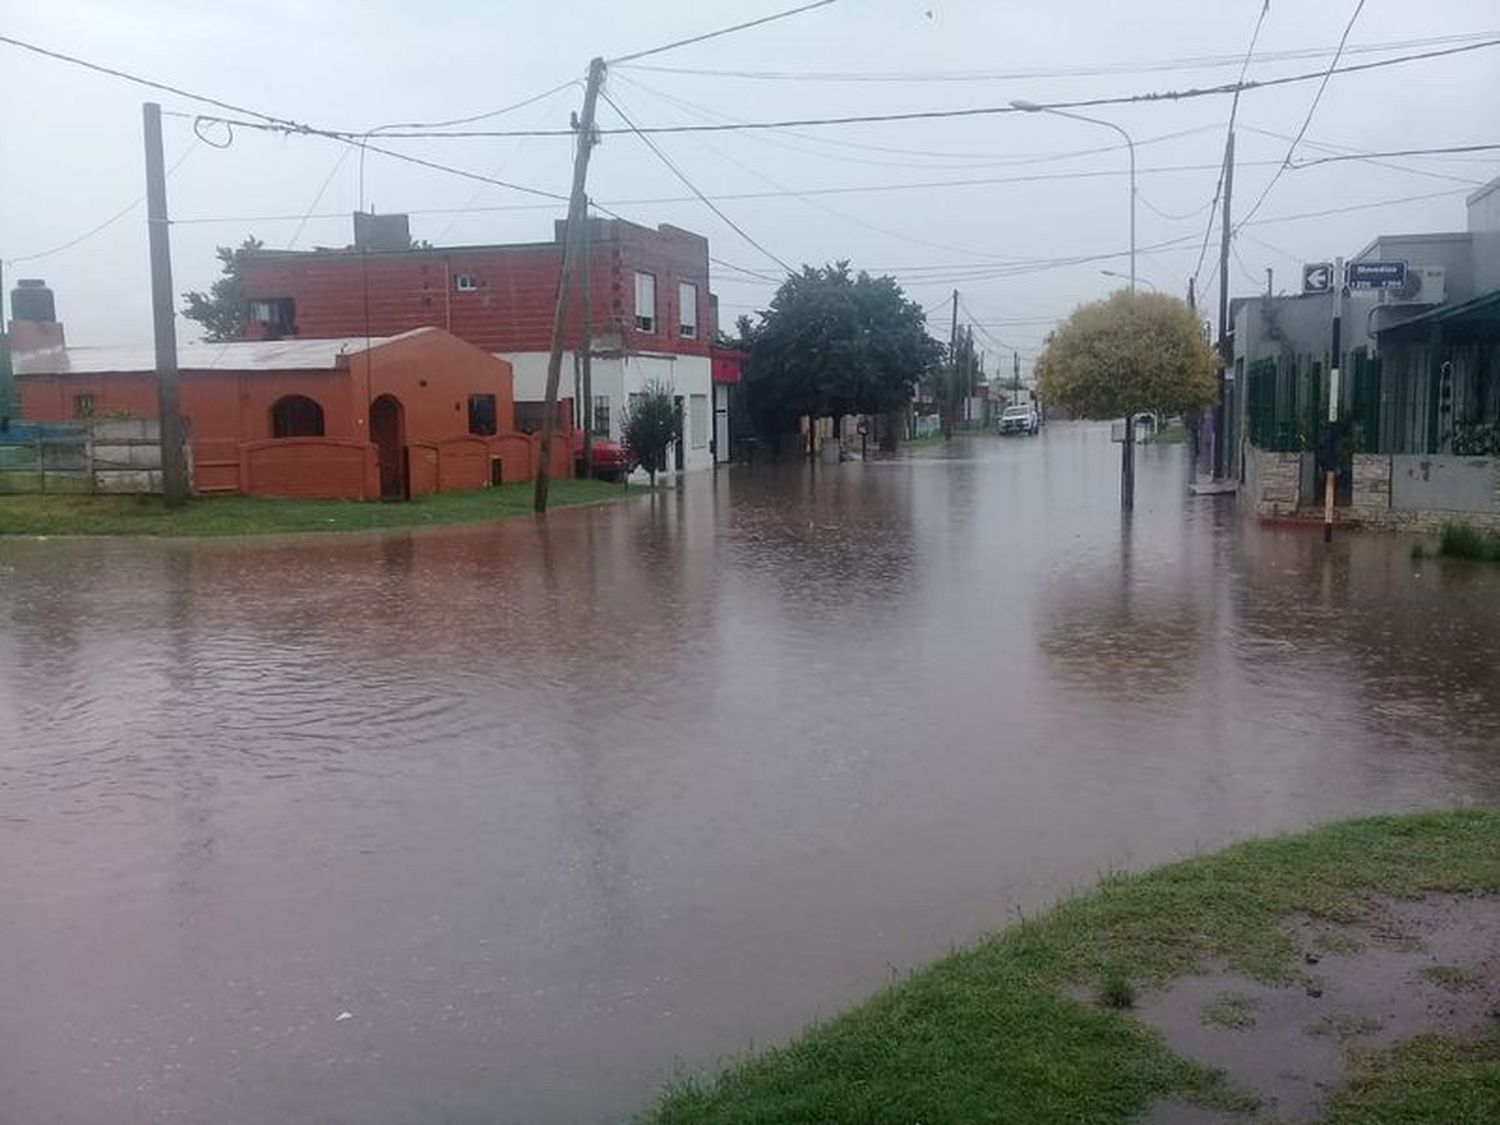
{"type": "Point", "coordinates": [572, 237]}
{"type": "Point", "coordinates": [1330, 441]}
{"type": "Point", "coordinates": [7, 375]}
{"type": "Point", "coordinates": [163, 315]}
{"type": "Point", "coordinates": [1221, 414]}
{"type": "Point", "coordinates": [952, 395]}
{"type": "Point", "coordinates": [586, 342]}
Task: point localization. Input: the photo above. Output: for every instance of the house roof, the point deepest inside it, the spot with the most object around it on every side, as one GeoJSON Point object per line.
{"type": "Point", "coordinates": [247, 355]}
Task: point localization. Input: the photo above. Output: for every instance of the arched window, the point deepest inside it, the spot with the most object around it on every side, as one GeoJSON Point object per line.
{"type": "Point", "coordinates": [296, 416]}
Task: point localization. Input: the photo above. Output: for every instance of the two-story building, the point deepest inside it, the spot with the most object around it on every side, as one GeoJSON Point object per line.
{"type": "Point", "coordinates": [650, 312]}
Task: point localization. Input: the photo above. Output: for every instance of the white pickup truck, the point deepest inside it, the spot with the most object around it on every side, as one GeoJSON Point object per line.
{"type": "Point", "coordinates": [1020, 419]}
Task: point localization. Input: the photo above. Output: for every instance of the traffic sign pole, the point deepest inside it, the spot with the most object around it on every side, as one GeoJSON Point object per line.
{"type": "Point", "coordinates": [1330, 475]}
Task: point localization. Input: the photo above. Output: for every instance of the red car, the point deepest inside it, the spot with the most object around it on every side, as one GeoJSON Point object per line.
{"type": "Point", "coordinates": [612, 460]}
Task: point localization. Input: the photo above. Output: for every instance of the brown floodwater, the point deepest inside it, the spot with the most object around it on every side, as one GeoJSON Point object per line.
{"type": "Point", "coordinates": [552, 813]}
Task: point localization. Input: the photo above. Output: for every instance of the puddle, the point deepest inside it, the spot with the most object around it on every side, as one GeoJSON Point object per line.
{"type": "Point", "coordinates": [1413, 968]}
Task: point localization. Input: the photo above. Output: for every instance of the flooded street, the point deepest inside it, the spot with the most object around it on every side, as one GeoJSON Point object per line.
{"type": "Point", "coordinates": [551, 813]}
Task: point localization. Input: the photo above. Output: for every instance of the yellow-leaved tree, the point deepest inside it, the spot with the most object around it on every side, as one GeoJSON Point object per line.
{"type": "Point", "coordinates": [1130, 354]}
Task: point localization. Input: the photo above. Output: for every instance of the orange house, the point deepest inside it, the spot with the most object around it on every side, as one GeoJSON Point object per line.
{"type": "Point", "coordinates": [353, 419]}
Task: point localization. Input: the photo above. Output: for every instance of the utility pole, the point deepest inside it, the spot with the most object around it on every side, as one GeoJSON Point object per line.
{"type": "Point", "coordinates": [1221, 414]}
{"type": "Point", "coordinates": [1270, 283]}
{"type": "Point", "coordinates": [952, 395]}
{"type": "Point", "coordinates": [163, 314]}
{"type": "Point", "coordinates": [1330, 440]}
{"type": "Point", "coordinates": [7, 375]}
{"type": "Point", "coordinates": [577, 215]}
{"type": "Point", "coordinates": [1193, 293]}
{"type": "Point", "coordinates": [586, 342]}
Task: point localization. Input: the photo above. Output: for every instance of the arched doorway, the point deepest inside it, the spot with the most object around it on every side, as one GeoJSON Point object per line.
{"type": "Point", "coordinates": [388, 433]}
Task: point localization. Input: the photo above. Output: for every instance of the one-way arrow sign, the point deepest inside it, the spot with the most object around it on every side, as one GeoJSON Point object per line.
{"type": "Point", "coordinates": [1317, 277]}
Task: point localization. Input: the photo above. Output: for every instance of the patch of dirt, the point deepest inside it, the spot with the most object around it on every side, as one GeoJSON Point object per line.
{"type": "Point", "coordinates": [1414, 967]}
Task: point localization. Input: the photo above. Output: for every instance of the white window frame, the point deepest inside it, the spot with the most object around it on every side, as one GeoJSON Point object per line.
{"type": "Point", "coordinates": [466, 283]}
{"type": "Point", "coordinates": [698, 421]}
{"type": "Point", "coordinates": [687, 310]}
{"type": "Point", "coordinates": [645, 294]}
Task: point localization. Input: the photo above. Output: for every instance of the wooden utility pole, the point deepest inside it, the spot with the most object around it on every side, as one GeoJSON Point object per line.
{"type": "Point", "coordinates": [1221, 413]}
{"type": "Point", "coordinates": [163, 314]}
{"type": "Point", "coordinates": [572, 237]}
{"type": "Point", "coordinates": [586, 342]}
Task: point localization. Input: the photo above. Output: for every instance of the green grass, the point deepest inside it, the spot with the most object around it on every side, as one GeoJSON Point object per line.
{"type": "Point", "coordinates": [1454, 978]}
{"type": "Point", "coordinates": [1460, 540]}
{"type": "Point", "coordinates": [1234, 1011]}
{"type": "Point", "coordinates": [245, 515]}
{"type": "Point", "coordinates": [1172, 433]}
{"type": "Point", "coordinates": [991, 1035]}
{"type": "Point", "coordinates": [1431, 1079]}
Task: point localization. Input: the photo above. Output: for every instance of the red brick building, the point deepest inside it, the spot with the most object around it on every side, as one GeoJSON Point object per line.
{"type": "Point", "coordinates": [353, 418]}
{"type": "Point", "coordinates": [652, 313]}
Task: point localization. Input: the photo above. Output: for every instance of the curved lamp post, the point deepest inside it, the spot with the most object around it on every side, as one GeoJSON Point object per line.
{"type": "Point", "coordinates": [1032, 107]}
{"type": "Point", "coordinates": [1126, 277]}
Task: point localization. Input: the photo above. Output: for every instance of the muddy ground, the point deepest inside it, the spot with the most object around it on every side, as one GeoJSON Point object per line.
{"type": "Point", "coordinates": [1430, 966]}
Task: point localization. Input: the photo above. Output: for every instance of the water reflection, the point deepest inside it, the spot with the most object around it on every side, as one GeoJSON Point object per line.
{"type": "Point", "coordinates": [657, 780]}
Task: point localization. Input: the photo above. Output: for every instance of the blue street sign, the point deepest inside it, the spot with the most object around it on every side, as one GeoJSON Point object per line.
{"type": "Point", "coordinates": [1317, 277]}
{"type": "Point", "coordinates": [1376, 275]}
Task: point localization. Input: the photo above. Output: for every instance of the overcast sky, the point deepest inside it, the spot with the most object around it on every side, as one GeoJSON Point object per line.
{"type": "Point", "coordinates": [70, 145]}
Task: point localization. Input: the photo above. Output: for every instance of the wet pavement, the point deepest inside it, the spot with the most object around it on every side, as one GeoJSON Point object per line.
{"type": "Point", "coordinates": [554, 813]}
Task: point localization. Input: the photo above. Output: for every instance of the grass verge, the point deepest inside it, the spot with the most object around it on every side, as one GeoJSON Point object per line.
{"type": "Point", "coordinates": [989, 1034]}
{"type": "Point", "coordinates": [1463, 541]}
{"type": "Point", "coordinates": [1432, 1078]}
{"type": "Point", "coordinates": [248, 515]}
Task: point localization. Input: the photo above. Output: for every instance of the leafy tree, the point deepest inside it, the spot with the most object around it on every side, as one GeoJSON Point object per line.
{"type": "Point", "coordinates": [1126, 355]}
{"type": "Point", "coordinates": [221, 310]}
{"type": "Point", "coordinates": [834, 342]}
{"type": "Point", "coordinates": [1130, 354]}
{"type": "Point", "coordinates": [650, 427]}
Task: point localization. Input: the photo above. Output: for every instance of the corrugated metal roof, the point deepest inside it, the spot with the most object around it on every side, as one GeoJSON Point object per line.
{"type": "Point", "coordinates": [248, 355]}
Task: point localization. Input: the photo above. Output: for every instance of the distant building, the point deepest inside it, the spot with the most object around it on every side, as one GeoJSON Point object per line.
{"type": "Point", "coordinates": [353, 418]}
{"type": "Point", "coordinates": [652, 314]}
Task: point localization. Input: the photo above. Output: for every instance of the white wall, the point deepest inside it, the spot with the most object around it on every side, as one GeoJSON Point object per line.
{"type": "Point", "coordinates": [687, 376]}
{"type": "Point", "coordinates": [619, 378]}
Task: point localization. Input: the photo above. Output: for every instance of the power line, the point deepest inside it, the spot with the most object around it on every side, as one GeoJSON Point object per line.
{"type": "Point", "coordinates": [721, 32]}
{"type": "Point", "coordinates": [967, 159]}
{"type": "Point", "coordinates": [1234, 106]}
{"type": "Point", "coordinates": [1401, 152]}
{"type": "Point", "coordinates": [1307, 120]}
{"type": "Point", "coordinates": [107, 223]}
{"type": "Point", "coordinates": [810, 201]}
{"type": "Point", "coordinates": [687, 183]}
{"type": "Point", "coordinates": [1203, 62]}
{"type": "Point", "coordinates": [1153, 97]}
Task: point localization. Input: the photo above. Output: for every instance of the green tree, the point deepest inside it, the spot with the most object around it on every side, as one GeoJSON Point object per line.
{"type": "Point", "coordinates": [834, 342]}
{"type": "Point", "coordinates": [1130, 354]}
{"type": "Point", "coordinates": [651, 426]}
{"type": "Point", "coordinates": [222, 310]}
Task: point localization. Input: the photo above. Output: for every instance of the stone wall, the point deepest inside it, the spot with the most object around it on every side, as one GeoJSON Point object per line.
{"type": "Point", "coordinates": [1273, 482]}
{"type": "Point", "coordinates": [1420, 493]}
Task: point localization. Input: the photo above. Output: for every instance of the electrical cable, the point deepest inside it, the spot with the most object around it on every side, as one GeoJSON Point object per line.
{"type": "Point", "coordinates": [107, 223]}
{"type": "Point", "coordinates": [1337, 158]}
{"type": "Point", "coordinates": [1234, 106]}
{"type": "Point", "coordinates": [1149, 98]}
{"type": "Point", "coordinates": [676, 171]}
{"type": "Point", "coordinates": [1307, 120]}
{"type": "Point", "coordinates": [717, 34]}
{"type": "Point", "coordinates": [1203, 62]}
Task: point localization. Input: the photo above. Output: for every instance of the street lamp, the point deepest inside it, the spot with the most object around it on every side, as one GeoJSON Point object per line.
{"type": "Point", "coordinates": [1126, 277]}
{"type": "Point", "coordinates": [1032, 107]}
